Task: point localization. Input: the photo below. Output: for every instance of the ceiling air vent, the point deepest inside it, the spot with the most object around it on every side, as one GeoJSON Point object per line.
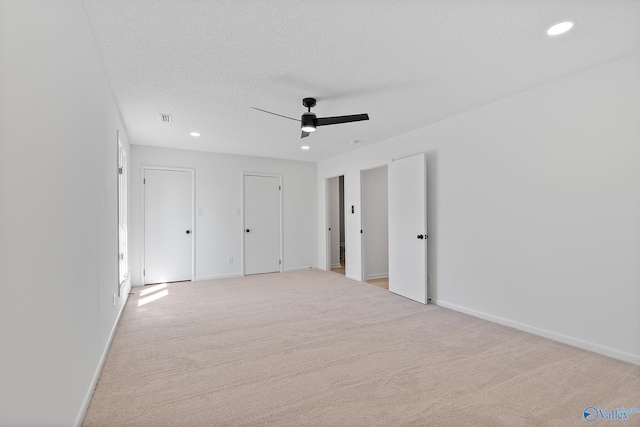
{"type": "Point", "coordinates": [166, 118]}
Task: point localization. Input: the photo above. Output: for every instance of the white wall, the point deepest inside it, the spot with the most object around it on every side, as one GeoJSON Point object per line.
{"type": "Point", "coordinates": [334, 222]}
{"type": "Point", "coordinates": [218, 188]}
{"type": "Point", "coordinates": [58, 213]}
{"type": "Point", "coordinates": [533, 208]}
{"type": "Point", "coordinates": [375, 223]}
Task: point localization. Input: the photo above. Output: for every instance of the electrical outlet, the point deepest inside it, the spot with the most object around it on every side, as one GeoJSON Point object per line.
{"type": "Point", "coordinates": [230, 260]}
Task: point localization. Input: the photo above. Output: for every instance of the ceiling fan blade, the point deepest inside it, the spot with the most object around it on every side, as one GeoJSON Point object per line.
{"type": "Point", "coordinates": [323, 121]}
{"type": "Point", "coordinates": [275, 114]}
{"type": "Point", "coordinates": [304, 134]}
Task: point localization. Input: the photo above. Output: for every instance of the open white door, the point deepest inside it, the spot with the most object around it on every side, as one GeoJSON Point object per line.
{"type": "Point", "coordinates": [168, 230]}
{"type": "Point", "coordinates": [407, 228]}
{"type": "Point", "coordinates": [261, 224]}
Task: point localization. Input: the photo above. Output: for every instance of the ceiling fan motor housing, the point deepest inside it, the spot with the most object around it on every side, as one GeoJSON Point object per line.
{"type": "Point", "coordinates": [309, 122]}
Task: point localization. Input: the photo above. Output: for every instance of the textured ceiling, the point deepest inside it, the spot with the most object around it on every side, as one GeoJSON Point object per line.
{"type": "Point", "coordinates": [405, 63]}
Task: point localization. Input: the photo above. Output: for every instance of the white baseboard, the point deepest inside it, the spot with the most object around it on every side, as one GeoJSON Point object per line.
{"type": "Point", "coordinates": [230, 275]}
{"type": "Point", "coordinates": [200, 278]}
{"type": "Point", "coordinates": [377, 276]}
{"type": "Point", "coordinates": [309, 267]}
{"type": "Point", "coordinates": [103, 358]}
{"type": "Point", "coordinates": [334, 265]}
{"type": "Point", "coordinates": [217, 276]}
{"type": "Point", "coordinates": [565, 339]}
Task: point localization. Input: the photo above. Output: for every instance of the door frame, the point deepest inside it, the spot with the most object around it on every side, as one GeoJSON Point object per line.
{"type": "Point", "coordinates": [327, 215]}
{"type": "Point", "coordinates": [122, 185]}
{"type": "Point", "coordinates": [242, 209]}
{"type": "Point", "coordinates": [192, 171]}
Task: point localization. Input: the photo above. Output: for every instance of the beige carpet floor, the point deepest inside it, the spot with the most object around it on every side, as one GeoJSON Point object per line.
{"type": "Point", "coordinates": [382, 282]}
{"type": "Point", "coordinates": [340, 269]}
{"type": "Point", "coordinates": [312, 348]}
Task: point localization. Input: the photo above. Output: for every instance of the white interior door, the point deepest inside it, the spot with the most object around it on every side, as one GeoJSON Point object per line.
{"type": "Point", "coordinates": [407, 228]}
{"type": "Point", "coordinates": [261, 224]}
{"type": "Point", "coordinates": [168, 225]}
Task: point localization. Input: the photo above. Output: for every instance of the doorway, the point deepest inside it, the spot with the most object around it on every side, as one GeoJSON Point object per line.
{"type": "Point", "coordinates": [168, 225]}
{"type": "Point", "coordinates": [336, 247]}
{"type": "Point", "coordinates": [262, 223]}
{"type": "Point", "coordinates": [375, 226]}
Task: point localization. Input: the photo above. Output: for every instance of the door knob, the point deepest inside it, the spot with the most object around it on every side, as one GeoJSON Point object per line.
{"type": "Point", "coordinates": [247, 230]}
{"type": "Point", "coordinates": [420, 236]}
{"type": "Point", "coordinates": [188, 231]}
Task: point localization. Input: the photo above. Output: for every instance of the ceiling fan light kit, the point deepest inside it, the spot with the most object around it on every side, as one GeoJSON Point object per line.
{"type": "Point", "coordinates": [309, 121]}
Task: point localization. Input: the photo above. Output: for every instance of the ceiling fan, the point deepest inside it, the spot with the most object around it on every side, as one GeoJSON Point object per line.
{"type": "Point", "coordinates": [309, 121]}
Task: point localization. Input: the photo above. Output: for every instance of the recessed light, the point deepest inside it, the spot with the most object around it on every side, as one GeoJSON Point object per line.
{"type": "Point", "coordinates": [194, 134]}
{"type": "Point", "coordinates": [560, 28]}
{"type": "Point", "coordinates": [305, 147]}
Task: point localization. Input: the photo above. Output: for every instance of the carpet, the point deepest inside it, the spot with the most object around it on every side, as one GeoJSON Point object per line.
{"type": "Point", "coordinates": [313, 348]}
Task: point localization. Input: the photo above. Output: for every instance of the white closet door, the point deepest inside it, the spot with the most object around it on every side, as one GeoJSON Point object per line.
{"type": "Point", "coordinates": [168, 229]}
{"type": "Point", "coordinates": [261, 224]}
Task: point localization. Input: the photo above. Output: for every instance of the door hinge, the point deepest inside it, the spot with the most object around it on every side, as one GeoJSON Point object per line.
{"type": "Point", "coordinates": [144, 272]}
{"type": "Point", "coordinates": [279, 262]}
{"type": "Point", "coordinates": [120, 170]}
{"type": "Point", "coordinates": [144, 180]}
{"type": "Point", "coordinates": [280, 187]}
